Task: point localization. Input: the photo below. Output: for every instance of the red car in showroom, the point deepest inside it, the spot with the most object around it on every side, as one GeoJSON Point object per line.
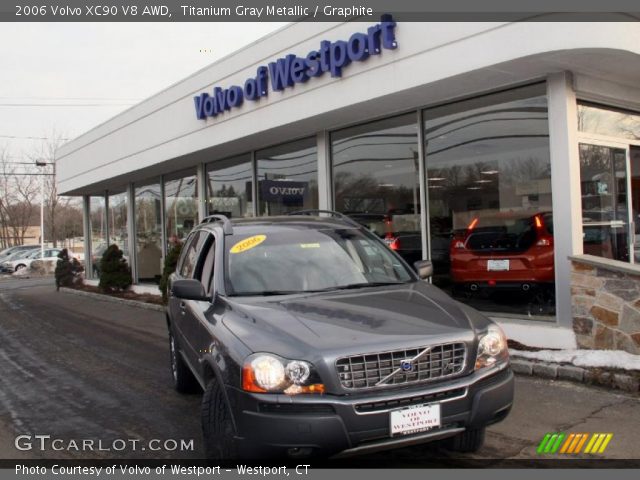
{"type": "Point", "coordinates": [504, 251]}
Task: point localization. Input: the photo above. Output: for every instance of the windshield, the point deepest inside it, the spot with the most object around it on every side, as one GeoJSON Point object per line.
{"type": "Point", "coordinates": [290, 260]}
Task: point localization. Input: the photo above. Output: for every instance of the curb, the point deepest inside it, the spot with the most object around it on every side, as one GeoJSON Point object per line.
{"type": "Point", "coordinates": [109, 298]}
{"type": "Point", "coordinates": [627, 381]}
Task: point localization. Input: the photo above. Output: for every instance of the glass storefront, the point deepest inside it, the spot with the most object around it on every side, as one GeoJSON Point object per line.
{"type": "Point", "coordinates": [98, 231]}
{"type": "Point", "coordinates": [229, 187]}
{"type": "Point", "coordinates": [610, 182]}
{"type": "Point", "coordinates": [288, 177]}
{"type": "Point", "coordinates": [117, 214]}
{"type": "Point", "coordinates": [490, 209]}
{"type": "Point", "coordinates": [148, 208]}
{"type": "Point", "coordinates": [489, 229]}
{"type": "Point", "coordinates": [181, 203]}
{"type": "Point", "coordinates": [376, 180]}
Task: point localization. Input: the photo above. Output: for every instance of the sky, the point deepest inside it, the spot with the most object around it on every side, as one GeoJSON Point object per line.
{"type": "Point", "coordinates": [113, 65]}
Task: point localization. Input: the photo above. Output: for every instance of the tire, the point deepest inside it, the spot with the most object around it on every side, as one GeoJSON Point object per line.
{"type": "Point", "coordinates": [20, 267]}
{"type": "Point", "coordinates": [468, 441]}
{"type": "Point", "coordinates": [183, 379]}
{"type": "Point", "coordinates": [217, 425]}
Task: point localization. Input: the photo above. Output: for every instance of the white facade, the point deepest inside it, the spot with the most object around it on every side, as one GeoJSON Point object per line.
{"type": "Point", "coordinates": [434, 63]}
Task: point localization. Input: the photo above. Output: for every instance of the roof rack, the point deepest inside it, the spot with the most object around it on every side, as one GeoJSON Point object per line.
{"type": "Point", "coordinates": [313, 211]}
{"type": "Point", "coordinates": [227, 228]}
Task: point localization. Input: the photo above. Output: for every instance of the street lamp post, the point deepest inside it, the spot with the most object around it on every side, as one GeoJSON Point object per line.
{"type": "Point", "coordinates": [40, 163]}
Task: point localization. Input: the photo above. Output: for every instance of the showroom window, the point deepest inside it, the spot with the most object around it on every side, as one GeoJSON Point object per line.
{"type": "Point", "coordinates": [376, 180]}
{"type": "Point", "coordinates": [490, 208]}
{"type": "Point", "coordinates": [117, 215]}
{"type": "Point", "coordinates": [98, 231]}
{"type": "Point", "coordinates": [288, 177]}
{"type": "Point", "coordinates": [148, 226]}
{"type": "Point", "coordinates": [181, 203]}
{"type": "Point", "coordinates": [229, 187]}
{"type": "Point", "coordinates": [609, 148]}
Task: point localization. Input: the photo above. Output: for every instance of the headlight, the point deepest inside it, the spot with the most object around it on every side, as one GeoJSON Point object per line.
{"type": "Point", "coordinates": [492, 348]}
{"type": "Point", "coordinates": [268, 373]}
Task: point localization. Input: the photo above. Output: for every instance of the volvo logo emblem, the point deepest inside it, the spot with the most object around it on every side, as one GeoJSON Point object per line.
{"type": "Point", "coordinates": [406, 365]}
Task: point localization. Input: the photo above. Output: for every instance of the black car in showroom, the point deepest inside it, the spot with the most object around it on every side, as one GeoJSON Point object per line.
{"type": "Point", "coordinates": [310, 337]}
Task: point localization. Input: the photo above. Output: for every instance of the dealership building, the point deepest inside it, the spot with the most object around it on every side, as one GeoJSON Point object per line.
{"type": "Point", "coordinates": [506, 153]}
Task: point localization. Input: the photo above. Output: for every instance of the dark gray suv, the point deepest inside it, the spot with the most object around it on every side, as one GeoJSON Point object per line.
{"type": "Point", "coordinates": [310, 337]}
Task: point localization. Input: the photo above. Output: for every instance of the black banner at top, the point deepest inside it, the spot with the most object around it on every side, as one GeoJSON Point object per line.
{"type": "Point", "coordinates": [315, 10]}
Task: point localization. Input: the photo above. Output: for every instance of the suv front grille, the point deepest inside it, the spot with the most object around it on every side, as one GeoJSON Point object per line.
{"type": "Point", "coordinates": [375, 369]}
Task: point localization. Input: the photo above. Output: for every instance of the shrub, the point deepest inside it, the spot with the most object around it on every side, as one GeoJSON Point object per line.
{"type": "Point", "coordinates": [67, 270]}
{"type": "Point", "coordinates": [115, 274]}
{"type": "Point", "coordinates": [170, 262]}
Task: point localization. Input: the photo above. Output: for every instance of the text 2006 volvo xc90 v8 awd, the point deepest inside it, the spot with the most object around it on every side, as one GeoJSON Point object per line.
{"type": "Point", "coordinates": [311, 337]}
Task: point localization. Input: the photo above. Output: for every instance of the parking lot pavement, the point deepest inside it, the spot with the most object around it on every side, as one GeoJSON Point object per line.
{"type": "Point", "coordinates": [78, 368]}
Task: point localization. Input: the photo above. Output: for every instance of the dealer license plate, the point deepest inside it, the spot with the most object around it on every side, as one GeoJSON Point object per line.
{"type": "Point", "coordinates": [414, 419]}
{"type": "Point", "coordinates": [497, 265]}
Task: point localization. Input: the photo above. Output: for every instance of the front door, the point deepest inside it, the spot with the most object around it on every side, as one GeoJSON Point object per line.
{"type": "Point", "coordinates": [606, 216]}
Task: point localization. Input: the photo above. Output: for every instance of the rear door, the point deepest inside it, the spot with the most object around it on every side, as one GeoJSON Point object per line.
{"type": "Point", "coordinates": [198, 314]}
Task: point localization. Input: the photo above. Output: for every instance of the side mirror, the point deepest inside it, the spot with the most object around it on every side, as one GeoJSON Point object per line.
{"type": "Point", "coordinates": [424, 268]}
{"type": "Point", "coordinates": [189, 289]}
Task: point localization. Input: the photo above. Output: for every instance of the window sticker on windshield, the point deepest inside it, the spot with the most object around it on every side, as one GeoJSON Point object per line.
{"type": "Point", "coordinates": [309, 245]}
{"type": "Point", "coordinates": [248, 243]}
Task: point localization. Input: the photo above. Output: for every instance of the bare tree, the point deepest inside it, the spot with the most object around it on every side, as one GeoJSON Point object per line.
{"type": "Point", "coordinates": [18, 194]}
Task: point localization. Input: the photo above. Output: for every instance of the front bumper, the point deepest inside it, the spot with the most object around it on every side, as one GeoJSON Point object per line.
{"type": "Point", "coordinates": [277, 425]}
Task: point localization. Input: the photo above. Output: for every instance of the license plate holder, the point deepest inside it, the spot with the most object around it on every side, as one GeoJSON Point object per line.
{"type": "Point", "coordinates": [498, 265]}
{"type": "Point", "coordinates": [414, 419]}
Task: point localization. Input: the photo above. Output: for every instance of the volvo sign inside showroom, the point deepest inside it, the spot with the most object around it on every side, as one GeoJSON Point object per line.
{"type": "Point", "coordinates": [291, 69]}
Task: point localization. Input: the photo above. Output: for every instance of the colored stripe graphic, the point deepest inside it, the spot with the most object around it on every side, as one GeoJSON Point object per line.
{"type": "Point", "coordinates": [604, 445]}
{"type": "Point", "coordinates": [567, 443]}
{"type": "Point", "coordinates": [598, 443]}
{"type": "Point", "coordinates": [543, 443]}
{"type": "Point", "coordinates": [573, 443]}
{"type": "Point", "coordinates": [556, 445]}
{"type": "Point", "coordinates": [581, 442]}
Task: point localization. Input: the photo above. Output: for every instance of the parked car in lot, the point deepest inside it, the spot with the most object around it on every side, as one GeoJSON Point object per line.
{"type": "Point", "coordinates": [7, 252]}
{"type": "Point", "coordinates": [504, 251]}
{"type": "Point", "coordinates": [14, 265]}
{"type": "Point", "coordinates": [6, 263]}
{"type": "Point", "coordinates": [310, 337]}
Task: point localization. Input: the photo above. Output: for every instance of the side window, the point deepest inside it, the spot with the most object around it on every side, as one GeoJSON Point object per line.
{"type": "Point", "coordinates": [190, 254]}
{"type": "Point", "coordinates": [204, 269]}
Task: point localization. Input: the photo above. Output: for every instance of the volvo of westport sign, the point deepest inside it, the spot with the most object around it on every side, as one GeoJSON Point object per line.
{"type": "Point", "coordinates": [285, 72]}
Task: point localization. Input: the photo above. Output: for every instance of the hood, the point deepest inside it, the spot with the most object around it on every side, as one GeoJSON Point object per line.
{"type": "Point", "coordinates": [309, 326]}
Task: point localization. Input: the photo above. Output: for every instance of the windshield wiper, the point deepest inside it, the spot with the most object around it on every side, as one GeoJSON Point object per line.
{"type": "Point", "coordinates": [267, 293]}
{"type": "Point", "coordinates": [357, 285]}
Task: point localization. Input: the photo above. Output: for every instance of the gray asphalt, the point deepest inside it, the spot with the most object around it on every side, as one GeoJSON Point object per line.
{"type": "Point", "coordinates": [78, 368]}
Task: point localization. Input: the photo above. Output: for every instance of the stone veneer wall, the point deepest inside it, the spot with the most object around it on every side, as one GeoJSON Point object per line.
{"type": "Point", "coordinates": [605, 304]}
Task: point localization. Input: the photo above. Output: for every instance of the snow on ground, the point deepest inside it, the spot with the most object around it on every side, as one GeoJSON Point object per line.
{"type": "Point", "coordinates": [537, 334]}
{"type": "Point", "coordinates": [145, 288]}
{"type": "Point", "coordinates": [584, 358]}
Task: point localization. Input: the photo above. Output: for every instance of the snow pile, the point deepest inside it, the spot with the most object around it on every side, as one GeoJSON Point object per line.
{"type": "Point", "coordinates": [584, 358]}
